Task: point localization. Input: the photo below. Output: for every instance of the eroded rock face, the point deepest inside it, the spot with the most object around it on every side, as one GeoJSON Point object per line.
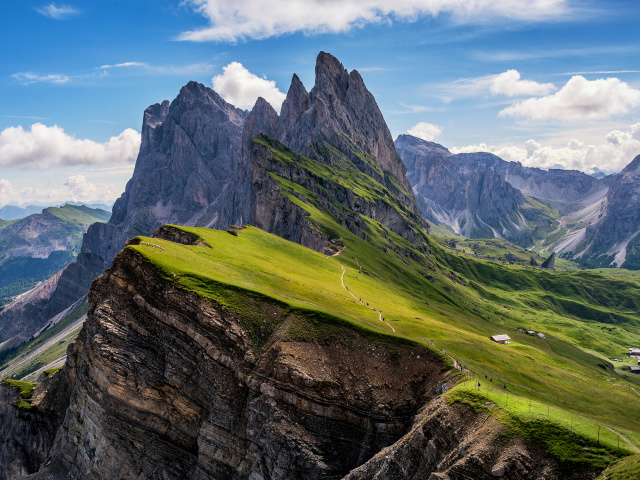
{"type": "Point", "coordinates": [172, 386]}
{"type": "Point", "coordinates": [449, 442]}
{"type": "Point", "coordinates": [26, 436]}
{"type": "Point", "coordinates": [482, 196]}
{"type": "Point", "coordinates": [613, 240]}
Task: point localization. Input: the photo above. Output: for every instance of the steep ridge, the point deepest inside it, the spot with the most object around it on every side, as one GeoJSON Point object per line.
{"type": "Point", "coordinates": [194, 166]}
{"type": "Point", "coordinates": [613, 239]}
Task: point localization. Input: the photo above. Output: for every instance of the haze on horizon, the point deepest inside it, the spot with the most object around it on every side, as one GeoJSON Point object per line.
{"type": "Point", "coordinates": [549, 83]}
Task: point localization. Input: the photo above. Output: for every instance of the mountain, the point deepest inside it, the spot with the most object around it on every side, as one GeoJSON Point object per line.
{"type": "Point", "coordinates": [577, 216]}
{"type": "Point", "coordinates": [194, 169]}
{"type": "Point", "coordinates": [345, 353]}
{"type": "Point", "coordinates": [13, 212]}
{"type": "Point", "coordinates": [34, 248]}
{"type": "Point", "coordinates": [613, 238]}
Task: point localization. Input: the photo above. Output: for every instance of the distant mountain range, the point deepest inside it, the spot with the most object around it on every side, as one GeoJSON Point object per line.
{"type": "Point", "coordinates": [15, 212]}
{"type": "Point", "coordinates": [593, 221]}
{"type": "Point", "coordinates": [34, 248]}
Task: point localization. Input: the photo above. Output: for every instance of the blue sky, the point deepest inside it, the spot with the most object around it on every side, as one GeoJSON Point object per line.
{"type": "Point", "coordinates": [544, 82]}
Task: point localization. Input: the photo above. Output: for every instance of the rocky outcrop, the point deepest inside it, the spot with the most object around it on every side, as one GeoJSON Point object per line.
{"type": "Point", "coordinates": [613, 239]}
{"type": "Point", "coordinates": [170, 385]}
{"type": "Point", "coordinates": [26, 436]}
{"type": "Point", "coordinates": [449, 442]}
{"type": "Point", "coordinates": [550, 262]}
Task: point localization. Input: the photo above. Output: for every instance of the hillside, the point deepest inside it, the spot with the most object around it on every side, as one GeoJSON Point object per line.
{"type": "Point", "coordinates": [34, 248]}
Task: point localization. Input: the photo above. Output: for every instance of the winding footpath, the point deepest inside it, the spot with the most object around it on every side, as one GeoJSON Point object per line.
{"type": "Point", "coordinates": [361, 302]}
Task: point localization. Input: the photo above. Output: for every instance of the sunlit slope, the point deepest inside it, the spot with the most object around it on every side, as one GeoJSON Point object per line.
{"type": "Point", "coordinates": [417, 302]}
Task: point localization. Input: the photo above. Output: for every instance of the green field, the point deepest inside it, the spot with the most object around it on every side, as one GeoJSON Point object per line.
{"type": "Point", "coordinates": [568, 370]}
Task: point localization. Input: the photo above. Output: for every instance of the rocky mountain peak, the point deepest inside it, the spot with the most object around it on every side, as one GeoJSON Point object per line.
{"type": "Point", "coordinates": [331, 76]}
{"type": "Point", "coordinates": [296, 103]}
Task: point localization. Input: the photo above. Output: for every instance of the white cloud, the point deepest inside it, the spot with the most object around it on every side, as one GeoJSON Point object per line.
{"type": "Point", "coordinates": [579, 99]}
{"type": "Point", "coordinates": [241, 88]}
{"type": "Point", "coordinates": [124, 64]}
{"type": "Point", "coordinates": [425, 131]}
{"type": "Point", "coordinates": [81, 190]}
{"type": "Point", "coordinates": [43, 147]}
{"type": "Point", "coordinates": [27, 78]}
{"type": "Point", "coordinates": [617, 150]}
{"type": "Point", "coordinates": [76, 188]}
{"type": "Point", "coordinates": [509, 84]}
{"type": "Point", "coordinates": [62, 12]}
{"type": "Point", "coordinates": [240, 19]}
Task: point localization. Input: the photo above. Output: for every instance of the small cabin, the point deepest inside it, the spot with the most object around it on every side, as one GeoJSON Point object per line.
{"type": "Point", "coordinates": [634, 369]}
{"type": "Point", "coordinates": [541, 335]}
{"type": "Point", "coordinates": [634, 352]}
{"type": "Point", "coordinates": [531, 332]}
{"type": "Point", "coordinates": [501, 338]}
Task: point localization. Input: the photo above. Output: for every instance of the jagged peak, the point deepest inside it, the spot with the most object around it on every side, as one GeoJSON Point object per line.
{"type": "Point", "coordinates": [331, 76]}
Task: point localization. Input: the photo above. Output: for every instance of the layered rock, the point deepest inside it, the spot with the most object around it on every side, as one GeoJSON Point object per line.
{"type": "Point", "coordinates": [27, 435]}
{"type": "Point", "coordinates": [170, 385]}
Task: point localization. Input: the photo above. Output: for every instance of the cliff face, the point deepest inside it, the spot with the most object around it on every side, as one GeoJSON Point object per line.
{"type": "Point", "coordinates": [170, 385]}
{"type": "Point", "coordinates": [614, 238]}
{"type": "Point", "coordinates": [480, 195]}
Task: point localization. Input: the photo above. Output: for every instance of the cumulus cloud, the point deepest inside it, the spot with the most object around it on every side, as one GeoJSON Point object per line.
{"type": "Point", "coordinates": [240, 19]}
{"type": "Point", "coordinates": [76, 188]}
{"type": "Point", "coordinates": [617, 149]}
{"type": "Point", "coordinates": [43, 147]}
{"type": "Point", "coordinates": [240, 87]}
{"type": "Point", "coordinates": [579, 99]}
{"type": "Point", "coordinates": [509, 84]}
{"type": "Point", "coordinates": [62, 12]}
{"type": "Point", "coordinates": [81, 190]}
{"type": "Point", "coordinates": [425, 131]}
{"type": "Point", "coordinates": [28, 78]}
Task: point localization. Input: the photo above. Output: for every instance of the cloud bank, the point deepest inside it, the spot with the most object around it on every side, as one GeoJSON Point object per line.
{"type": "Point", "coordinates": [76, 188]}
{"type": "Point", "coordinates": [617, 150]}
{"type": "Point", "coordinates": [242, 19]}
{"type": "Point", "coordinates": [47, 147]}
{"type": "Point", "coordinates": [241, 88]}
{"type": "Point", "coordinates": [580, 99]}
{"type": "Point", "coordinates": [425, 131]}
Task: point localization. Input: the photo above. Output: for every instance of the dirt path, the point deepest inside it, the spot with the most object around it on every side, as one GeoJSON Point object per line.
{"type": "Point", "coordinates": [361, 302]}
